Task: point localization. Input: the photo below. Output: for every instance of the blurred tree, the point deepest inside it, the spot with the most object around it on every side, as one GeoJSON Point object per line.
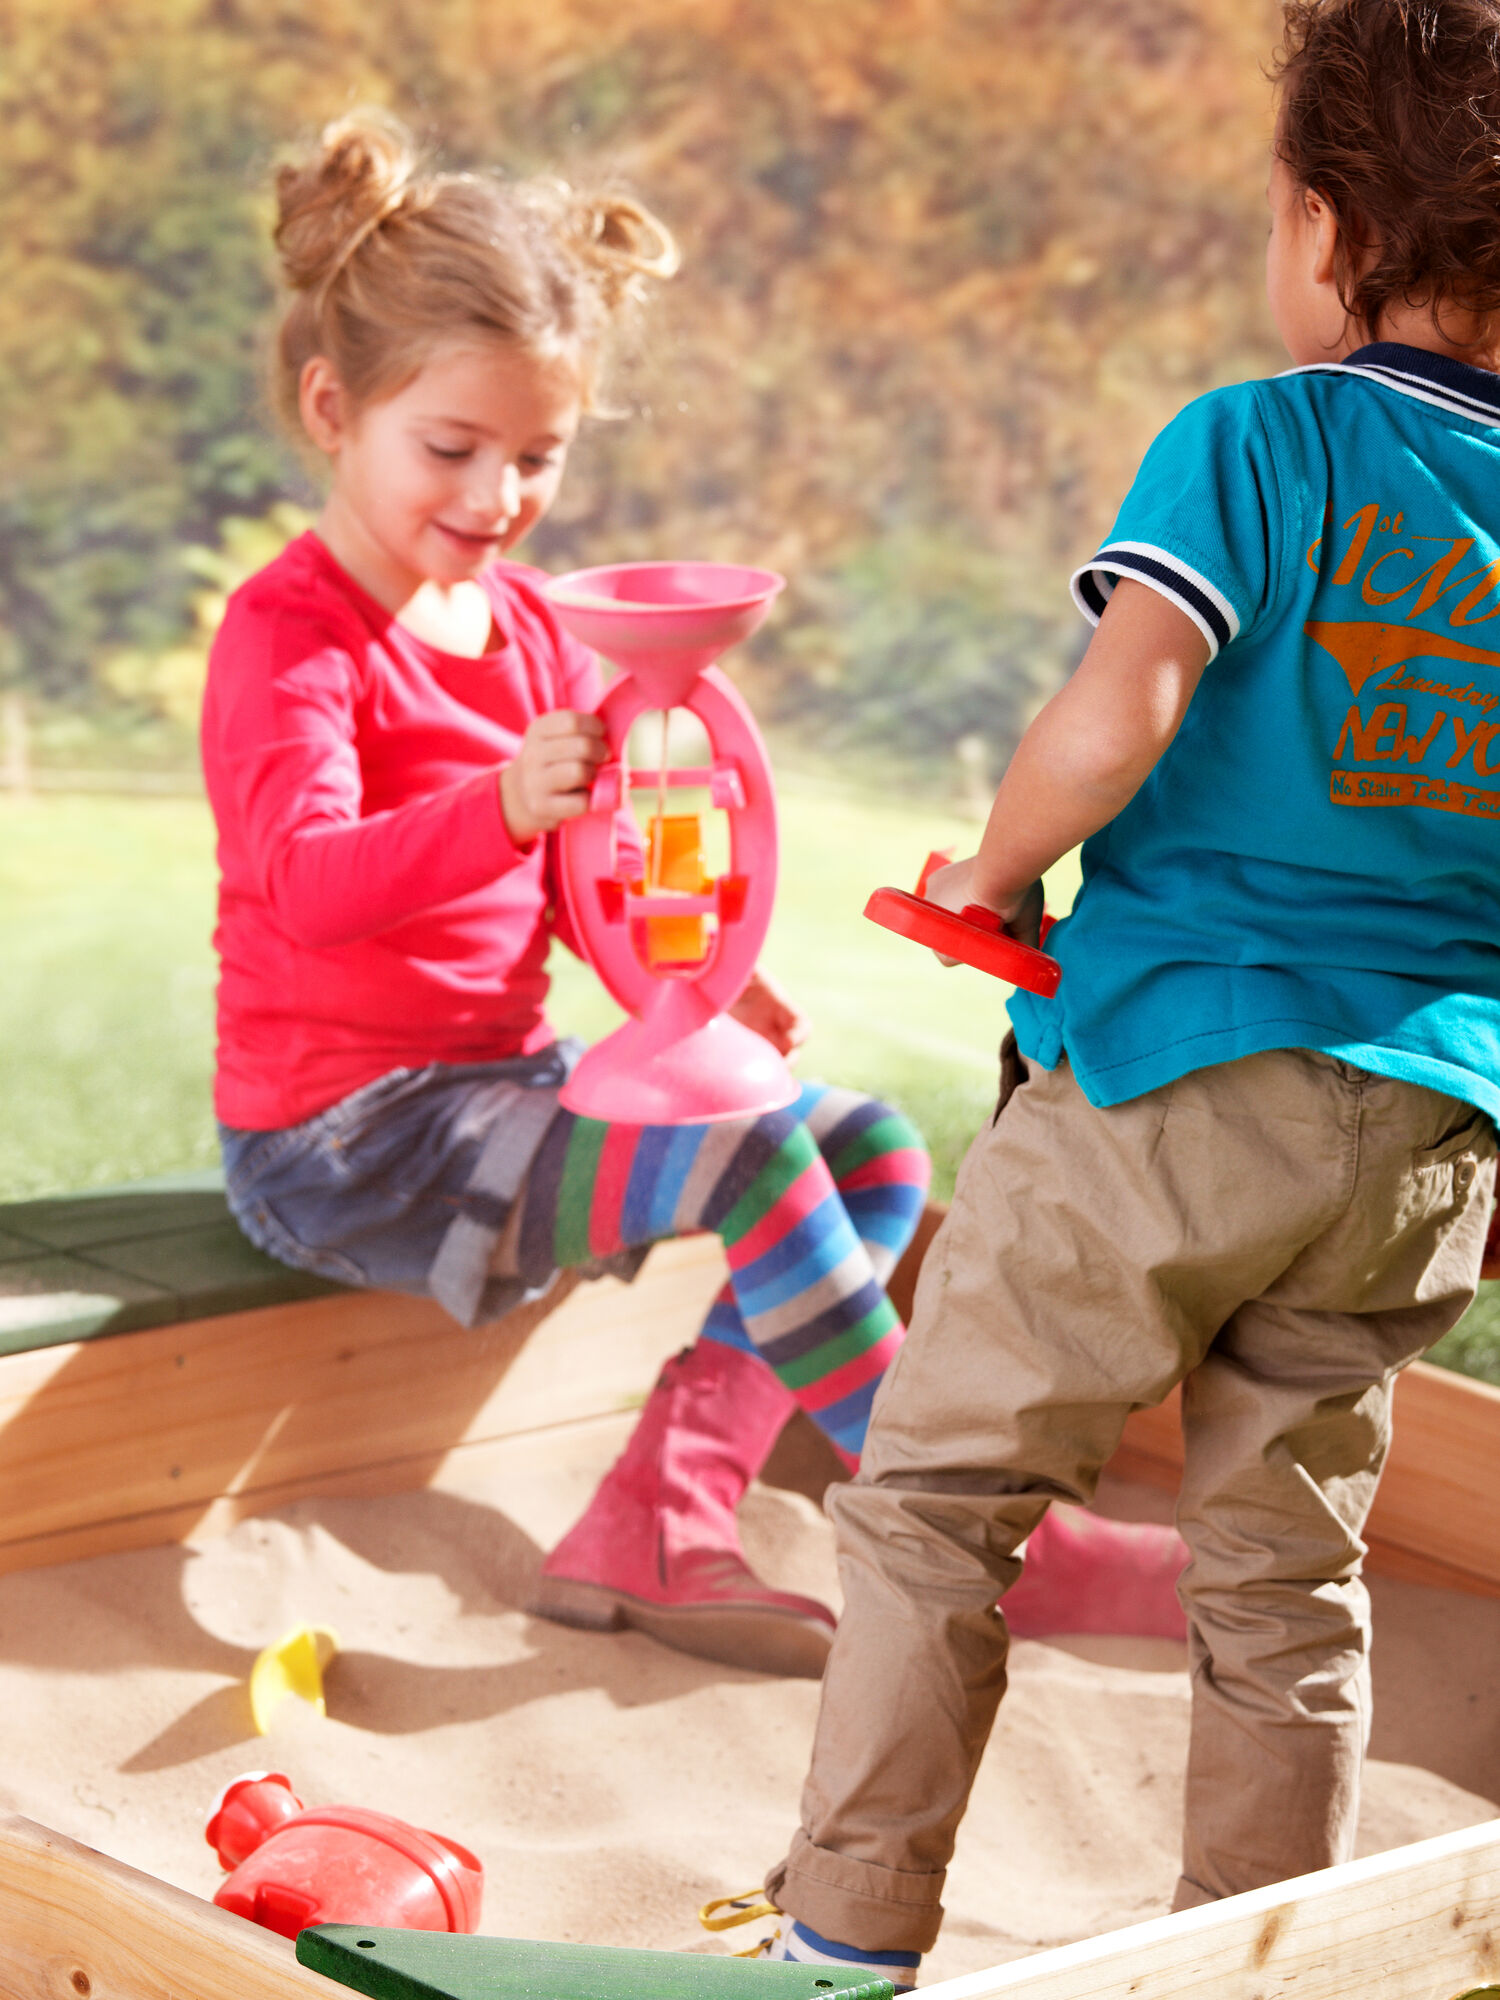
{"type": "Point", "coordinates": [950, 263]}
{"type": "Point", "coordinates": [916, 641]}
{"type": "Point", "coordinates": [168, 680]}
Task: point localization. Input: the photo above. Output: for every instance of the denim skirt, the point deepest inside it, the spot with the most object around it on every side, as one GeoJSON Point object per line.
{"type": "Point", "coordinates": [407, 1183]}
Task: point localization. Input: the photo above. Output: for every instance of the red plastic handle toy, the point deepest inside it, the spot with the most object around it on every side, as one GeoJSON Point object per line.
{"type": "Point", "coordinates": [973, 935]}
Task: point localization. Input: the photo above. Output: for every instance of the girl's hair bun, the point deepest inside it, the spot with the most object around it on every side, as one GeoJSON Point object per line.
{"type": "Point", "coordinates": [387, 259]}
{"type": "Point", "coordinates": [327, 205]}
{"type": "Point", "coordinates": [620, 244]}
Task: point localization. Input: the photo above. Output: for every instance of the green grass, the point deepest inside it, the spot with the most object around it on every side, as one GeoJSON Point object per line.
{"type": "Point", "coordinates": [106, 991]}
{"type": "Point", "coordinates": [1473, 1347]}
{"type": "Point", "coordinates": [107, 973]}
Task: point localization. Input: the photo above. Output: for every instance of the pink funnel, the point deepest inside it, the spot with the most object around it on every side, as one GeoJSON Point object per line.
{"type": "Point", "coordinates": [664, 622]}
{"type": "Point", "coordinates": [679, 1060]}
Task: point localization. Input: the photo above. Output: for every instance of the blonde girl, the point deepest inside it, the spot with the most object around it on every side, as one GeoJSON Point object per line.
{"type": "Point", "coordinates": [395, 729]}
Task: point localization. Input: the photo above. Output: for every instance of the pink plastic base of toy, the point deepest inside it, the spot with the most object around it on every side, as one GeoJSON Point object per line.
{"type": "Point", "coordinates": [663, 1071]}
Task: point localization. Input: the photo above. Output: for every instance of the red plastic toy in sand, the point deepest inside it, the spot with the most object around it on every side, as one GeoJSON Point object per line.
{"type": "Point", "coordinates": [335, 1864]}
{"type": "Point", "coordinates": [973, 935]}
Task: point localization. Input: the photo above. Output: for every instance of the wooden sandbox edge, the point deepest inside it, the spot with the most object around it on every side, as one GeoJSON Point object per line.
{"type": "Point", "coordinates": [74, 1923]}
{"type": "Point", "coordinates": [156, 1436]}
{"type": "Point", "coordinates": [1417, 1923]}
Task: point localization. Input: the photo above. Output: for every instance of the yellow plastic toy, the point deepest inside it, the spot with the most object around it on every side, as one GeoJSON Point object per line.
{"type": "Point", "coordinates": [674, 864]}
{"type": "Point", "coordinates": [294, 1665]}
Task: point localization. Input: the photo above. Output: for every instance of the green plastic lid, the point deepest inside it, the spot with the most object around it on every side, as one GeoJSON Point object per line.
{"type": "Point", "coordinates": [428, 1965]}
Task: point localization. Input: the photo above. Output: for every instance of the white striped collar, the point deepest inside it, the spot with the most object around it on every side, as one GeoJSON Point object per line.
{"type": "Point", "coordinates": [1454, 386]}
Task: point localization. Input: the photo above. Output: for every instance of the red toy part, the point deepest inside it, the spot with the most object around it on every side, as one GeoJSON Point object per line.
{"type": "Point", "coordinates": [337, 1865]}
{"type": "Point", "coordinates": [973, 935]}
{"type": "Point", "coordinates": [247, 1812]}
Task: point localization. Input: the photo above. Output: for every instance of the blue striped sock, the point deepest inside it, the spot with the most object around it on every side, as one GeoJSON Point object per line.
{"type": "Point", "coordinates": [801, 1945]}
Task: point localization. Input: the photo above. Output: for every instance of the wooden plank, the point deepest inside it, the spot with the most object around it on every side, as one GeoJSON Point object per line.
{"type": "Point", "coordinates": [75, 1924]}
{"type": "Point", "coordinates": [49, 1297]}
{"type": "Point", "coordinates": [210, 1270]}
{"type": "Point", "coordinates": [1440, 1492]}
{"type": "Point", "coordinates": [118, 1260]}
{"type": "Point", "coordinates": [1151, 1449]}
{"type": "Point", "coordinates": [1436, 1517]}
{"type": "Point", "coordinates": [1417, 1923]}
{"type": "Point", "coordinates": [478, 1459]}
{"type": "Point", "coordinates": [94, 1216]}
{"type": "Point", "coordinates": [129, 1441]}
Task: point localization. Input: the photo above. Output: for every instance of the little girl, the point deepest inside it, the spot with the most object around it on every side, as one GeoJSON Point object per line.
{"type": "Point", "coordinates": [395, 727]}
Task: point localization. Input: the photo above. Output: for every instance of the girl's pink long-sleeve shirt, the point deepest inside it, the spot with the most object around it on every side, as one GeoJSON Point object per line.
{"type": "Point", "coordinates": [374, 912]}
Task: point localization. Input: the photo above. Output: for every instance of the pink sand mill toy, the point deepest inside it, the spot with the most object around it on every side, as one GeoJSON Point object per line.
{"type": "Point", "coordinates": [673, 944]}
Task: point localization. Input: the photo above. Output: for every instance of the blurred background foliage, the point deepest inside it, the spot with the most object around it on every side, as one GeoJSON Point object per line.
{"type": "Point", "coordinates": [948, 265]}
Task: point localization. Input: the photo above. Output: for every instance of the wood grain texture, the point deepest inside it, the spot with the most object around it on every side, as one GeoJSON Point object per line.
{"type": "Point", "coordinates": [1417, 1923]}
{"type": "Point", "coordinates": [75, 1925]}
{"type": "Point", "coordinates": [152, 1436]}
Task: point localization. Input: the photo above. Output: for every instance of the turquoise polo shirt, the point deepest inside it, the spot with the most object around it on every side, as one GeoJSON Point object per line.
{"type": "Point", "coordinates": [1315, 862]}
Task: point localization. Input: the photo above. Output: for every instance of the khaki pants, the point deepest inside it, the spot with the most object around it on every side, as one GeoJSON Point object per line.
{"type": "Point", "coordinates": [1281, 1234]}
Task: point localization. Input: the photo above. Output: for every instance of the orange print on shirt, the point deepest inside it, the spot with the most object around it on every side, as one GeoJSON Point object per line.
{"type": "Point", "coordinates": [1363, 647]}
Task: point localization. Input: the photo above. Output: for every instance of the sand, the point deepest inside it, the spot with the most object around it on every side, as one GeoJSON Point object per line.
{"type": "Point", "coordinates": [609, 1785]}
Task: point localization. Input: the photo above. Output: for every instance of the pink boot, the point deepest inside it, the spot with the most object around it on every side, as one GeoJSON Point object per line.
{"type": "Point", "coordinates": [1086, 1574]}
{"type": "Point", "coordinates": [658, 1548]}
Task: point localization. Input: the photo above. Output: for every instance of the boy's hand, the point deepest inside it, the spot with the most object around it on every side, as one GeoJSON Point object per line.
{"type": "Point", "coordinates": [949, 887]}
{"type": "Point", "coordinates": [765, 1008]}
{"type": "Point", "coordinates": [952, 887]}
{"type": "Point", "coordinates": [548, 780]}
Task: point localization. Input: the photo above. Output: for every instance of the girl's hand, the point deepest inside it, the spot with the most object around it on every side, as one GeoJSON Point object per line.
{"type": "Point", "coordinates": [953, 886]}
{"type": "Point", "coordinates": [548, 779]}
{"type": "Point", "coordinates": [765, 1008]}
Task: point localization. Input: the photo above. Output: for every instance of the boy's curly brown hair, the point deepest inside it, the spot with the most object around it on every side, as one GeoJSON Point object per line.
{"type": "Point", "coordinates": [1390, 110]}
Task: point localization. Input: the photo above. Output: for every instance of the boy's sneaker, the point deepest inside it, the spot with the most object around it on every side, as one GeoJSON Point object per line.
{"type": "Point", "coordinates": [803, 1946]}
{"type": "Point", "coordinates": [798, 1944]}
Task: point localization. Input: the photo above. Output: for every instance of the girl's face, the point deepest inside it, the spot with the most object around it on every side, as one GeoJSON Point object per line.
{"type": "Point", "coordinates": [435, 481]}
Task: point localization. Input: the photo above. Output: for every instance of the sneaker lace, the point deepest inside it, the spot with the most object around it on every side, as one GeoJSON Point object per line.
{"type": "Point", "coordinates": [724, 1913]}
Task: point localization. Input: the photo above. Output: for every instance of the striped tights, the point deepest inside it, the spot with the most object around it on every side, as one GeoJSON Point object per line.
{"type": "Point", "coordinates": [813, 1204]}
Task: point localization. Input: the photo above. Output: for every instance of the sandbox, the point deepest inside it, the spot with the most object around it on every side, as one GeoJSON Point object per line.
{"type": "Point", "coordinates": [177, 1496]}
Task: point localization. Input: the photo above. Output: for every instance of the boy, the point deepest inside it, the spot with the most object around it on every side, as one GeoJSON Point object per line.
{"type": "Point", "coordinates": [1249, 1146]}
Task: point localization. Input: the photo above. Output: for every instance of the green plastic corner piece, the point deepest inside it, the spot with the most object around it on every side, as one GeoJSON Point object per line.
{"type": "Point", "coordinates": [429, 1965]}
